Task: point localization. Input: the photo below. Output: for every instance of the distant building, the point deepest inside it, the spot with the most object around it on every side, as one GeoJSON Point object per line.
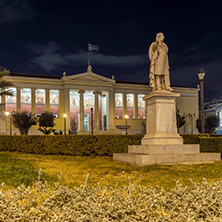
{"type": "Point", "coordinates": [76, 95]}
{"type": "Point", "coordinates": [214, 108]}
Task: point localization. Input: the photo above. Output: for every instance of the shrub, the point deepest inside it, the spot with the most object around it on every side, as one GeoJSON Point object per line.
{"type": "Point", "coordinates": [210, 122]}
{"type": "Point", "coordinates": [46, 122]}
{"type": "Point", "coordinates": [23, 121]}
{"type": "Point", "coordinates": [211, 144]}
{"type": "Point", "coordinates": [75, 145]}
{"type": "Point", "coordinates": [193, 138]}
{"type": "Point", "coordinates": [198, 202]}
{"type": "Point", "coordinates": [180, 119]}
{"type": "Point", "coordinates": [96, 145]}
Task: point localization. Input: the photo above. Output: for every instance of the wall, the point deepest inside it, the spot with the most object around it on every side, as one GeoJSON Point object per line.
{"type": "Point", "coordinates": [188, 103]}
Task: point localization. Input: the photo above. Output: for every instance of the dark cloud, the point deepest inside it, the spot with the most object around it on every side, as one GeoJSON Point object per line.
{"type": "Point", "coordinates": [184, 66]}
{"type": "Point", "coordinates": [48, 48]}
{"type": "Point", "coordinates": [14, 10]}
{"type": "Point", "coordinates": [60, 30]}
{"type": "Point", "coordinates": [51, 56]}
{"type": "Point", "coordinates": [187, 76]}
{"type": "Point", "coordinates": [197, 53]}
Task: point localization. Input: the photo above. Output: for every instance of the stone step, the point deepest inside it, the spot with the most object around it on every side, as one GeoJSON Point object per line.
{"type": "Point", "coordinates": [164, 149]}
{"type": "Point", "coordinates": [165, 159]}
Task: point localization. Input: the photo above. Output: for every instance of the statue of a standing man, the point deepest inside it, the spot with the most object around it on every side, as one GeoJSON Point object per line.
{"type": "Point", "coordinates": [159, 64]}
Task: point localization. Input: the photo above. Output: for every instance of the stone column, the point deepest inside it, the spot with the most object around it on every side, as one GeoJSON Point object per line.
{"type": "Point", "coordinates": [33, 101]}
{"type": "Point", "coordinates": [124, 105]}
{"type": "Point", "coordinates": [3, 98]}
{"type": "Point", "coordinates": [81, 109]}
{"type": "Point", "coordinates": [104, 111]}
{"type": "Point", "coordinates": [3, 119]}
{"type": "Point", "coordinates": [18, 100]}
{"type": "Point", "coordinates": [67, 108]}
{"type": "Point", "coordinates": [61, 103]}
{"type": "Point", "coordinates": [111, 110]}
{"type": "Point", "coordinates": [135, 107]}
{"type": "Point", "coordinates": [145, 107]}
{"type": "Point", "coordinates": [96, 93]}
{"type": "Point", "coordinates": [47, 100]}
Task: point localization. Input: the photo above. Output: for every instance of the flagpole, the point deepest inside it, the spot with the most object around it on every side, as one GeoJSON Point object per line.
{"type": "Point", "coordinates": [88, 53]}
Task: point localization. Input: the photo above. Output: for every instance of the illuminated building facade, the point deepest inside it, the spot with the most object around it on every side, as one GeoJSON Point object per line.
{"type": "Point", "coordinates": [76, 95]}
{"type": "Point", "coordinates": [214, 108]}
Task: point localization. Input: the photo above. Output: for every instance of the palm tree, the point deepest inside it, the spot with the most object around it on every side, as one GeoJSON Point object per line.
{"type": "Point", "coordinates": [23, 121]}
{"type": "Point", "coordinates": [4, 83]}
{"type": "Point", "coordinates": [46, 122]}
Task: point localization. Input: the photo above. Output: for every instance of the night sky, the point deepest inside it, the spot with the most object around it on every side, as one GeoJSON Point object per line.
{"type": "Point", "coordinates": [49, 37]}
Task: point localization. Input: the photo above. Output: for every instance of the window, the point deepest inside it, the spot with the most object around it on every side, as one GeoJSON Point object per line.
{"type": "Point", "coordinates": [26, 100]}
{"type": "Point", "coordinates": [118, 103]}
{"type": "Point", "coordinates": [11, 100]}
{"type": "Point", "coordinates": [40, 101]}
{"type": "Point", "coordinates": [54, 102]}
{"type": "Point", "coordinates": [141, 107]}
{"type": "Point", "coordinates": [130, 105]}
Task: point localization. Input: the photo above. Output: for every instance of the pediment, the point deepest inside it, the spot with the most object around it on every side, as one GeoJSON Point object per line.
{"type": "Point", "coordinates": [88, 77]}
{"type": "Point", "coordinates": [218, 107]}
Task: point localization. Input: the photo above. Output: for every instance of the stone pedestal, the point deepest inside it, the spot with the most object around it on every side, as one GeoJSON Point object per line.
{"type": "Point", "coordinates": [166, 154]}
{"type": "Point", "coordinates": [161, 119]}
{"type": "Point", "coordinates": [162, 144]}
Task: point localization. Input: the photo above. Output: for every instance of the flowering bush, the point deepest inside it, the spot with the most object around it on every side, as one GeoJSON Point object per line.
{"type": "Point", "coordinates": [44, 202]}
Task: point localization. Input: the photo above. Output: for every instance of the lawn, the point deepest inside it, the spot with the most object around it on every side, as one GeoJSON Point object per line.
{"type": "Point", "coordinates": [17, 168]}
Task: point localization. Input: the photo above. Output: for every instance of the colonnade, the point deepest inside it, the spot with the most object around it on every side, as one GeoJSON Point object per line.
{"type": "Point", "coordinates": [64, 106]}
{"type": "Point", "coordinates": [135, 104]}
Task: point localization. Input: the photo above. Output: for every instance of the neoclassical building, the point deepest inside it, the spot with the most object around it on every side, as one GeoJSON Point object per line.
{"type": "Point", "coordinates": [93, 101]}
{"type": "Point", "coordinates": [214, 108]}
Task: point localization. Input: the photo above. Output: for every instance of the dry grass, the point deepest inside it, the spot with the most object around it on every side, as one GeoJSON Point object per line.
{"type": "Point", "coordinates": [105, 170]}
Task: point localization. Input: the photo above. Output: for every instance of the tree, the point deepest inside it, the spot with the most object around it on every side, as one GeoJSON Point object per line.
{"type": "Point", "coordinates": [198, 124]}
{"type": "Point", "coordinates": [23, 121]}
{"type": "Point", "coordinates": [46, 122]}
{"type": "Point", "coordinates": [211, 123]}
{"type": "Point", "coordinates": [181, 120]}
{"type": "Point", "coordinates": [4, 83]}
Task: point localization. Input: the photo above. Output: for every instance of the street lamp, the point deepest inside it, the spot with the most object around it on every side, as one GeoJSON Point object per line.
{"type": "Point", "coordinates": [8, 114]}
{"type": "Point", "coordinates": [64, 115]}
{"type": "Point", "coordinates": [201, 75]}
{"type": "Point", "coordinates": [126, 117]}
{"type": "Point", "coordinates": [178, 121]}
{"type": "Point", "coordinates": [191, 116]}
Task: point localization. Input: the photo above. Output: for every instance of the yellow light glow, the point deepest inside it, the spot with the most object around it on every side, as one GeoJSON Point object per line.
{"type": "Point", "coordinates": [7, 113]}
{"type": "Point", "coordinates": [126, 116]}
{"type": "Point", "coordinates": [64, 115]}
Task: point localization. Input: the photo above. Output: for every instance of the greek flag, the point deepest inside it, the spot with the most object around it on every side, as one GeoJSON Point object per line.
{"type": "Point", "coordinates": [92, 47]}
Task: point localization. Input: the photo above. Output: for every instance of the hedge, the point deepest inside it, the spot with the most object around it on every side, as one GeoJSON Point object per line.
{"type": "Point", "coordinates": [75, 145]}
{"type": "Point", "coordinates": [193, 138]}
{"type": "Point", "coordinates": [96, 145]}
{"type": "Point", "coordinates": [211, 145]}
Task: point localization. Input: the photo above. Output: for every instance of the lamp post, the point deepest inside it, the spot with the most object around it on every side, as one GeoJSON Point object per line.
{"type": "Point", "coordinates": [91, 120]}
{"type": "Point", "coordinates": [64, 115]}
{"type": "Point", "coordinates": [178, 121]}
{"type": "Point", "coordinates": [126, 117]}
{"type": "Point", "coordinates": [201, 75]}
{"type": "Point", "coordinates": [191, 116]}
{"type": "Point", "coordinates": [8, 114]}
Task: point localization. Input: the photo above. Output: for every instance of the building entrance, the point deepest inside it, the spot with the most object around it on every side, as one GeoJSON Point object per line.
{"type": "Point", "coordinates": [86, 123]}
